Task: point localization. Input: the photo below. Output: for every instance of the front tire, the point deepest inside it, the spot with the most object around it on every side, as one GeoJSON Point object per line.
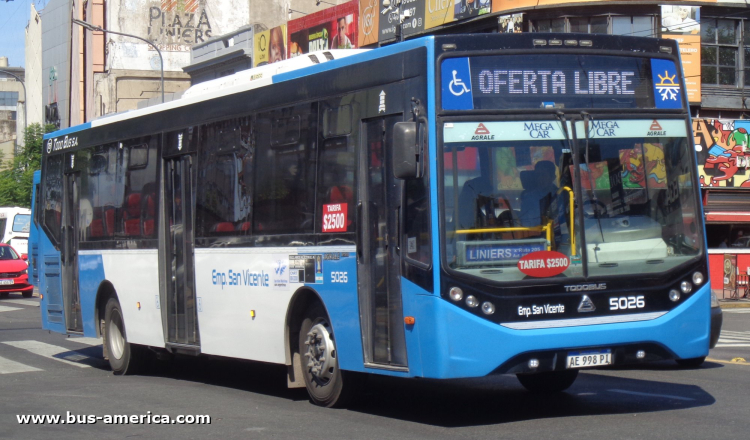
{"type": "Point", "coordinates": [326, 384]}
{"type": "Point", "coordinates": [548, 382]}
{"type": "Point", "coordinates": [28, 294]}
{"type": "Point", "coordinates": [124, 358]}
{"type": "Point", "coordinates": [691, 363]}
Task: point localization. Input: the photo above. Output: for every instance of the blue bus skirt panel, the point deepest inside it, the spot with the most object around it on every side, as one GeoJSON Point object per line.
{"type": "Point", "coordinates": [90, 277]}
{"type": "Point", "coordinates": [455, 343]}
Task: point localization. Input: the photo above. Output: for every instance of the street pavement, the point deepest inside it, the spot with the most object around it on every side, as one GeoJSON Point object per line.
{"type": "Point", "coordinates": [48, 373]}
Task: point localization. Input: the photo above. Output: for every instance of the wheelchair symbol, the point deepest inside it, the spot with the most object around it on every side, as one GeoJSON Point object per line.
{"type": "Point", "coordinates": [459, 83]}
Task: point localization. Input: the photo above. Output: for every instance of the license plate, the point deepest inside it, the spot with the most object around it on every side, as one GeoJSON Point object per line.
{"type": "Point", "coordinates": [6, 282]}
{"type": "Point", "coordinates": [589, 358]}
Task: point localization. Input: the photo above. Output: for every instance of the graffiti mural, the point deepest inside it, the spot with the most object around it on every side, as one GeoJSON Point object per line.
{"type": "Point", "coordinates": [722, 149]}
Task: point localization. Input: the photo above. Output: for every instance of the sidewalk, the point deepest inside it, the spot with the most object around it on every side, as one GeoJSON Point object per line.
{"type": "Point", "coordinates": [726, 303]}
{"type": "Point", "coordinates": [734, 303]}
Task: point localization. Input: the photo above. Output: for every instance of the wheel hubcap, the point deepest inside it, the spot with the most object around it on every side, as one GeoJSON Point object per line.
{"type": "Point", "coordinates": [321, 353]}
{"type": "Point", "coordinates": [116, 340]}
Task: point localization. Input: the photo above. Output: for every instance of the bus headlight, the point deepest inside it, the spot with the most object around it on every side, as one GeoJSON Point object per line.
{"type": "Point", "coordinates": [674, 295]}
{"type": "Point", "coordinates": [698, 278]}
{"type": "Point", "coordinates": [488, 308]}
{"type": "Point", "coordinates": [456, 294]}
{"type": "Point", "coordinates": [686, 287]}
{"type": "Point", "coordinates": [472, 301]}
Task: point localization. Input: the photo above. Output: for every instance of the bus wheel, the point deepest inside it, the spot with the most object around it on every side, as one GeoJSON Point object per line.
{"type": "Point", "coordinates": [691, 363]}
{"type": "Point", "coordinates": [548, 382]}
{"type": "Point", "coordinates": [326, 384]}
{"type": "Point", "coordinates": [124, 358]}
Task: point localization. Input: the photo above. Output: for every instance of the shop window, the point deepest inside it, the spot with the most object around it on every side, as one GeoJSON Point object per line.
{"type": "Point", "coordinates": [720, 54]}
{"type": "Point", "coordinates": [589, 25]}
{"type": "Point", "coordinates": [635, 26]}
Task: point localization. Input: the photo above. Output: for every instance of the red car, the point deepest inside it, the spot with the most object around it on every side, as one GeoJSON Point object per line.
{"type": "Point", "coordinates": [14, 275]}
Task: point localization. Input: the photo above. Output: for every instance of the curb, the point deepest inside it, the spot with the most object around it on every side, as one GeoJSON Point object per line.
{"type": "Point", "coordinates": [734, 304]}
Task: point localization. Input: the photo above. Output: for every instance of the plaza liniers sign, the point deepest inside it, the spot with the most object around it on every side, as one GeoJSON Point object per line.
{"type": "Point", "coordinates": [178, 25]}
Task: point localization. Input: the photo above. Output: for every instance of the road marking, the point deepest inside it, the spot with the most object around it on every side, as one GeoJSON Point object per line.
{"type": "Point", "coordinates": [8, 366]}
{"type": "Point", "coordinates": [739, 310]}
{"type": "Point", "coordinates": [733, 339]}
{"type": "Point", "coordinates": [22, 302]}
{"type": "Point", "coordinates": [57, 353]}
{"type": "Point", "coordinates": [88, 341]}
{"type": "Point", "coordinates": [732, 362]}
{"type": "Point", "coordinates": [665, 396]}
{"type": "Point", "coordinates": [8, 309]}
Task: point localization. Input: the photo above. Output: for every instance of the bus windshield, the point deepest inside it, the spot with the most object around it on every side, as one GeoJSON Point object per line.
{"type": "Point", "coordinates": [509, 188]}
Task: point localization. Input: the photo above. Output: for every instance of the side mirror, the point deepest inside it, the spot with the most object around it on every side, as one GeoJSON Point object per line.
{"type": "Point", "coordinates": [404, 152]}
{"type": "Point", "coordinates": [24, 257]}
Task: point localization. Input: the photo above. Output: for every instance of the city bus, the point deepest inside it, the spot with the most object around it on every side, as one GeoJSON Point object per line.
{"type": "Point", "coordinates": [445, 207]}
{"type": "Point", "coordinates": [14, 227]}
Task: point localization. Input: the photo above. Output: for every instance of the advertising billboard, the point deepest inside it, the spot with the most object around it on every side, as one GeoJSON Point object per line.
{"type": "Point", "coordinates": [332, 28]}
{"type": "Point", "coordinates": [270, 46]}
{"type": "Point", "coordinates": [682, 23]}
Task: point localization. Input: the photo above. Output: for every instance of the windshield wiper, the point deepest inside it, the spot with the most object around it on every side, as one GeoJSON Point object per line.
{"type": "Point", "coordinates": [595, 203]}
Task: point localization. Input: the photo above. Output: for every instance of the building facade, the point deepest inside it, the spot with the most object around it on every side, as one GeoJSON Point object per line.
{"type": "Point", "coordinates": [12, 108]}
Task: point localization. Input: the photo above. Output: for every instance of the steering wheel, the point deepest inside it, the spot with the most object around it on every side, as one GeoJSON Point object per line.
{"type": "Point", "coordinates": [594, 209]}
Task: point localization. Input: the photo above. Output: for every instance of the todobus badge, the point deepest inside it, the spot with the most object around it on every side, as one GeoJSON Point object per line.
{"type": "Point", "coordinates": [543, 264]}
{"type": "Point", "coordinates": [334, 217]}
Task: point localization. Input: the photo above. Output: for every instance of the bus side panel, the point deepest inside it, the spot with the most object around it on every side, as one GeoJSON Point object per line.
{"type": "Point", "coordinates": [135, 277]}
{"type": "Point", "coordinates": [460, 344]}
{"type": "Point", "coordinates": [90, 277]}
{"type": "Point", "coordinates": [338, 290]}
{"type": "Point", "coordinates": [50, 286]}
{"type": "Point", "coordinates": [231, 283]}
{"type": "Point", "coordinates": [34, 235]}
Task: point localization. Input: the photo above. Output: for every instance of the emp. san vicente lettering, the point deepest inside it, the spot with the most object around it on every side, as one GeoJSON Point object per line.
{"type": "Point", "coordinates": [244, 277]}
{"type": "Point", "coordinates": [555, 82]}
{"type": "Point", "coordinates": [547, 309]}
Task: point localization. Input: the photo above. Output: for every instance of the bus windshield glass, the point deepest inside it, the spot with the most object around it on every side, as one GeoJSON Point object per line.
{"type": "Point", "coordinates": [21, 223]}
{"type": "Point", "coordinates": [509, 188]}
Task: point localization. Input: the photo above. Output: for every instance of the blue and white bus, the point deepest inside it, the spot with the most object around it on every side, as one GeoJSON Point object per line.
{"type": "Point", "coordinates": [446, 207]}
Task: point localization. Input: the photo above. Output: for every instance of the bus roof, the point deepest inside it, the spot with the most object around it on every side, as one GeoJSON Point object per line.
{"type": "Point", "coordinates": [254, 78]}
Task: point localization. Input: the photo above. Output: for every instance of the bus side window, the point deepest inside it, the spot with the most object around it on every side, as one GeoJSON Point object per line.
{"type": "Point", "coordinates": [53, 197]}
{"type": "Point", "coordinates": [285, 183]}
{"type": "Point", "coordinates": [336, 189]}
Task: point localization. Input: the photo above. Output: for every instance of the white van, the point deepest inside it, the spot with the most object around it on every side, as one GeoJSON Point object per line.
{"type": "Point", "coordinates": [14, 227]}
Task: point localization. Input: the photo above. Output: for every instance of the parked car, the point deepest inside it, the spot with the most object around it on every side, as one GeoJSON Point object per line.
{"type": "Point", "coordinates": [14, 275]}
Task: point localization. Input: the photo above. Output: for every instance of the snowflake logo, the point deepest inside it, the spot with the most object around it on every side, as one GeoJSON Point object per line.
{"type": "Point", "coordinates": [668, 89]}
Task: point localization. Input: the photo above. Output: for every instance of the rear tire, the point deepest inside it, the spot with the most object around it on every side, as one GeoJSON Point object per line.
{"type": "Point", "coordinates": [327, 385]}
{"type": "Point", "coordinates": [124, 358]}
{"type": "Point", "coordinates": [548, 382]}
{"type": "Point", "coordinates": [691, 363]}
{"type": "Point", "coordinates": [28, 294]}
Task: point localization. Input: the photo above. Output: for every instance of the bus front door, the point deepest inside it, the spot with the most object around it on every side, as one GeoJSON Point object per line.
{"type": "Point", "coordinates": [182, 310]}
{"type": "Point", "coordinates": [379, 270]}
{"type": "Point", "coordinates": [69, 253]}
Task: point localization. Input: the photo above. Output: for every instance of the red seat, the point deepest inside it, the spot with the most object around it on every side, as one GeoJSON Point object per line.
{"type": "Point", "coordinates": [131, 217]}
{"type": "Point", "coordinates": [149, 218]}
{"type": "Point", "coordinates": [244, 227]}
{"type": "Point", "coordinates": [224, 227]}
{"type": "Point", "coordinates": [109, 221]}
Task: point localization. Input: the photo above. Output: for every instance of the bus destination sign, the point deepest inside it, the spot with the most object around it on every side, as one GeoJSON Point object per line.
{"type": "Point", "coordinates": [559, 81]}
